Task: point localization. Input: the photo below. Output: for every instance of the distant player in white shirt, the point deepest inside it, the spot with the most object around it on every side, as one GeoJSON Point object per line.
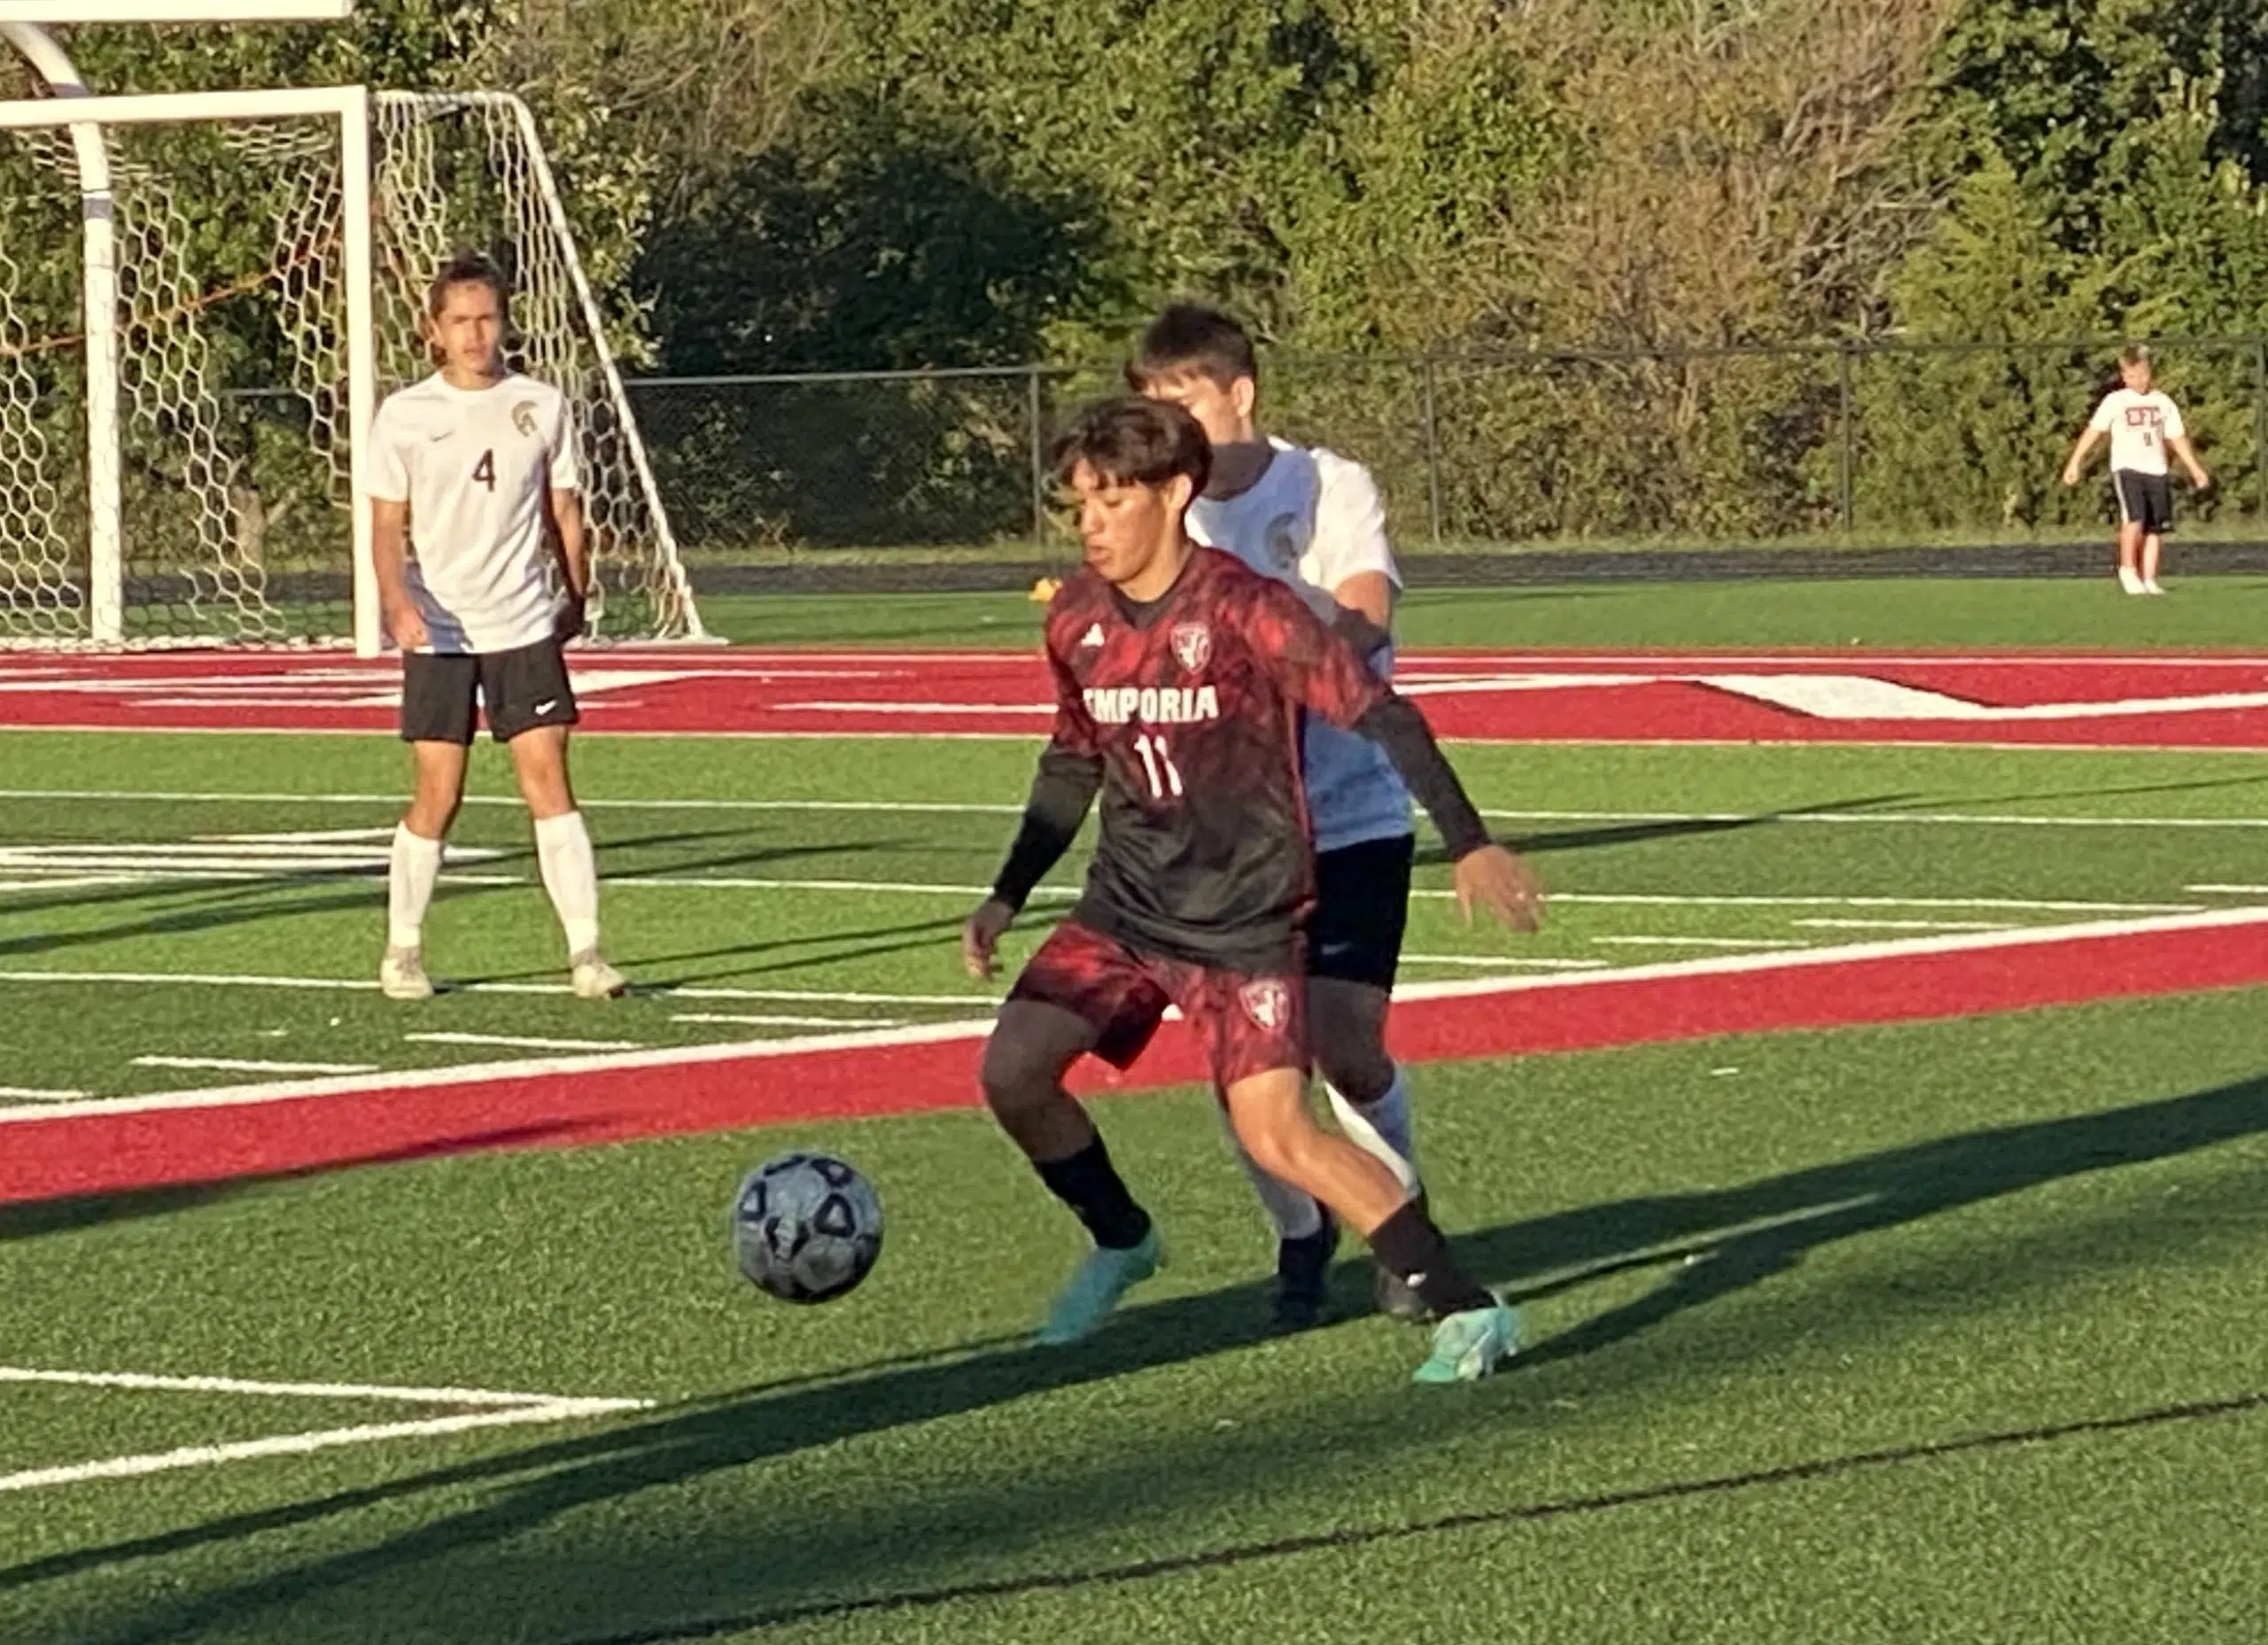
{"type": "Point", "coordinates": [474, 492]}
{"type": "Point", "coordinates": [1313, 519]}
{"type": "Point", "coordinates": [2141, 424]}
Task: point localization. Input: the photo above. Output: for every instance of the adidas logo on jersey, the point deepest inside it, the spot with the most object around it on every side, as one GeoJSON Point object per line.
{"type": "Point", "coordinates": [1151, 705]}
{"type": "Point", "coordinates": [1092, 638]}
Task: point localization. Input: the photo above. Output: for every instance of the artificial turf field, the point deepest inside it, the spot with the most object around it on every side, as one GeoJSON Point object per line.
{"type": "Point", "coordinates": [1941, 1326]}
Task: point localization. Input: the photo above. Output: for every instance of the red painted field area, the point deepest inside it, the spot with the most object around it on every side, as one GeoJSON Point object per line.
{"type": "Point", "coordinates": [210, 1137]}
{"type": "Point", "coordinates": [2149, 702]}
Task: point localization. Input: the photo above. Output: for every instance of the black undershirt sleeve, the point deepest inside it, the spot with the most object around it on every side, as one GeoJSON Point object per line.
{"type": "Point", "coordinates": [1397, 727]}
{"type": "Point", "coordinates": [1063, 788]}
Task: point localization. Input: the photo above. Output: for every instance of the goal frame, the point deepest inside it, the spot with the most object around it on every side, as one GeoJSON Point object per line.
{"type": "Point", "coordinates": [354, 107]}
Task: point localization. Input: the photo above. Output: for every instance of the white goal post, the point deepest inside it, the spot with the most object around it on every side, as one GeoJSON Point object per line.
{"type": "Point", "coordinates": [203, 295]}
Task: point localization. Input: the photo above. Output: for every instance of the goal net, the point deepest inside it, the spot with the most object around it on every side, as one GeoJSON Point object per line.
{"type": "Point", "coordinates": [186, 474]}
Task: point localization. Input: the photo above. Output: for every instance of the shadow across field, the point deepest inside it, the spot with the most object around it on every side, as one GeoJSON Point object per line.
{"type": "Point", "coordinates": [1716, 1243]}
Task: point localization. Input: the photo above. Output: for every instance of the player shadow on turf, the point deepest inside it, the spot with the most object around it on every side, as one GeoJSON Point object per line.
{"type": "Point", "coordinates": [1737, 1236]}
{"type": "Point", "coordinates": [1640, 832]}
{"type": "Point", "coordinates": [1727, 1240]}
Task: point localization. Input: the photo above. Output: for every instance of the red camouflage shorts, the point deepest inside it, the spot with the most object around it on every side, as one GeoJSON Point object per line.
{"type": "Point", "coordinates": [1247, 1024]}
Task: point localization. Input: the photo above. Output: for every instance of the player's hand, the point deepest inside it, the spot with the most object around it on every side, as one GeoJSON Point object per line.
{"type": "Point", "coordinates": [408, 628]}
{"type": "Point", "coordinates": [2202, 480]}
{"type": "Point", "coordinates": [2070, 474]}
{"type": "Point", "coordinates": [1494, 879]}
{"type": "Point", "coordinates": [982, 936]}
{"type": "Point", "coordinates": [574, 618]}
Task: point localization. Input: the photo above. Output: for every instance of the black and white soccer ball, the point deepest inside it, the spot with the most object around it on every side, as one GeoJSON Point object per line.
{"type": "Point", "coordinates": [806, 1227]}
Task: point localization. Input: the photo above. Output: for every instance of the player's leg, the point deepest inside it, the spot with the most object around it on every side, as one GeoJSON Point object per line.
{"type": "Point", "coordinates": [1080, 993]}
{"type": "Point", "coordinates": [531, 705]}
{"type": "Point", "coordinates": [1476, 1328]}
{"type": "Point", "coordinates": [2123, 488]}
{"type": "Point", "coordinates": [1353, 950]}
{"type": "Point", "coordinates": [2156, 525]}
{"type": "Point", "coordinates": [437, 715]}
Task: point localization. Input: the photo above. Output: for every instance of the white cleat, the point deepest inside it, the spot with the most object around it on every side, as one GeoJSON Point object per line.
{"type": "Point", "coordinates": [593, 978]}
{"type": "Point", "coordinates": [2151, 587]}
{"type": "Point", "coordinates": [2130, 580]}
{"type": "Point", "coordinates": [401, 975]}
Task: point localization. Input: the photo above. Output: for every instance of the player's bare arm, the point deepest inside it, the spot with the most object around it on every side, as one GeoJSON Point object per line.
{"type": "Point", "coordinates": [2089, 438]}
{"type": "Point", "coordinates": [2180, 446]}
{"type": "Point", "coordinates": [563, 515]}
{"type": "Point", "coordinates": [389, 556]}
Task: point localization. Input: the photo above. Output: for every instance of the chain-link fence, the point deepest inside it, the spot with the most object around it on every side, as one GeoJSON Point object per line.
{"type": "Point", "coordinates": [1878, 442]}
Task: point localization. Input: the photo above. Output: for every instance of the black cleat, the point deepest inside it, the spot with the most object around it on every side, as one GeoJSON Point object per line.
{"type": "Point", "coordinates": [1300, 1297]}
{"type": "Point", "coordinates": [1394, 1295]}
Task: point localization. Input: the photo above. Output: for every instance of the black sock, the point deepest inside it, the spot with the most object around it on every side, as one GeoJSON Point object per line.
{"type": "Point", "coordinates": [1409, 1246]}
{"type": "Point", "coordinates": [1090, 1185]}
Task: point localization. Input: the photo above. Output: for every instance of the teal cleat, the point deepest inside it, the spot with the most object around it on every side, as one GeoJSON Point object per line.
{"type": "Point", "coordinates": [1103, 1278]}
{"type": "Point", "coordinates": [1467, 1345]}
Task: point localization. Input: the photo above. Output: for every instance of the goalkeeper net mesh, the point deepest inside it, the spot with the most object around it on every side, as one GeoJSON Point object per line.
{"type": "Point", "coordinates": [234, 514]}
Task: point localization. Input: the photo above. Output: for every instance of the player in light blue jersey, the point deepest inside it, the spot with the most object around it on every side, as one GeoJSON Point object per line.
{"type": "Point", "coordinates": [1311, 518]}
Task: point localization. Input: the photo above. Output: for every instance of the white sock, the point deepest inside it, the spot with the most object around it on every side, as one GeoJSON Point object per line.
{"type": "Point", "coordinates": [413, 867]}
{"type": "Point", "coordinates": [570, 874]}
{"type": "Point", "coordinates": [1381, 1128]}
{"type": "Point", "coordinates": [1293, 1210]}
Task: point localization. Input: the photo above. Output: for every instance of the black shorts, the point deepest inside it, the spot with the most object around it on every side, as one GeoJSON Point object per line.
{"type": "Point", "coordinates": [1362, 905]}
{"type": "Point", "coordinates": [520, 690]}
{"type": "Point", "coordinates": [2143, 500]}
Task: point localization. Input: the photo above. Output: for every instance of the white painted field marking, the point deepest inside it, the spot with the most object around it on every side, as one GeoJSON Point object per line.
{"type": "Point", "coordinates": [758, 1021]}
{"type": "Point", "coordinates": [498, 1410]}
{"type": "Point", "coordinates": [904, 888]}
{"type": "Point", "coordinates": [526, 1042]}
{"type": "Point", "coordinates": [367, 985]}
{"type": "Point", "coordinates": [245, 1065]}
{"type": "Point", "coordinates": [1696, 941]}
{"type": "Point", "coordinates": [1501, 960]}
{"type": "Point", "coordinates": [33, 1093]}
{"type": "Point", "coordinates": [1798, 959]}
{"type": "Point", "coordinates": [1900, 925]}
{"type": "Point", "coordinates": [1953, 819]}
{"type": "Point", "coordinates": [1866, 697]}
{"type": "Point", "coordinates": [901, 709]}
{"type": "Point", "coordinates": [2228, 890]}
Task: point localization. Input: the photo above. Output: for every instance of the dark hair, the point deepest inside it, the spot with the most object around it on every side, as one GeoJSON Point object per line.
{"type": "Point", "coordinates": [1134, 442]}
{"type": "Point", "coordinates": [1189, 336]}
{"type": "Point", "coordinates": [2134, 355]}
{"type": "Point", "coordinates": [467, 267]}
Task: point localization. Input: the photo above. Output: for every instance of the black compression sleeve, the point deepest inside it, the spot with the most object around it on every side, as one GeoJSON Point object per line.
{"type": "Point", "coordinates": [1060, 793]}
{"type": "Point", "coordinates": [1397, 727]}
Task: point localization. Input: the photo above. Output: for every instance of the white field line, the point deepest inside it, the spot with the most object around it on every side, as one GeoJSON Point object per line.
{"type": "Point", "coordinates": [760, 1021]}
{"type": "Point", "coordinates": [240, 1064]}
{"type": "Point", "coordinates": [1697, 941]}
{"type": "Point", "coordinates": [1976, 820]}
{"type": "Point", "coordinates": [939, 1032]}
{"type": "Point", "coordinates": [2228, 890]}
{"type": "Point", "coordinates": [147, 1382]}
{"type": "Point", "coordinates": [1900, 925]}
{"type": "Point", "coordinates": [526, 1042]}
{"type": "Point", "coordinates": [817, 997]}
{"type": "Point", "coordinates": [31, 1094]}
{"type": "Point", "coordinates": [1502, 960]}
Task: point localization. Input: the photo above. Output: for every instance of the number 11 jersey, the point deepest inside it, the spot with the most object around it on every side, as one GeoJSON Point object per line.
{"type": "Point", "coordinates": [473, 465]}
{"type": "Point", "coordinates": [1190, 705]}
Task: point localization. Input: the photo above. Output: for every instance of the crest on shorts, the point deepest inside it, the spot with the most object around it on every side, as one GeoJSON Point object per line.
{"type": "Point", "coordinates": [1192, 644]}
{"type": "Point", "coordinates": [1267, 1003]}
{"type": "Point", "coordinates": [523, 417]}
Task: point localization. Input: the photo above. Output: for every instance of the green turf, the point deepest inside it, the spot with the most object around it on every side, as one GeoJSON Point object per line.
{"type": "Point", "coordinates": [1770, 1279]}
{"type": "Point", "coordinates": [1939, 613]}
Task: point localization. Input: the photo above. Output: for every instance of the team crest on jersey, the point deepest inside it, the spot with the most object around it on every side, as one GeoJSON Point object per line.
{"type": "Point", "coordinates": [1267, 1003]}
{"type": "Point", "coordinates": [1192, 644]}
{"type": "Point", "coordinates": [523, 417]}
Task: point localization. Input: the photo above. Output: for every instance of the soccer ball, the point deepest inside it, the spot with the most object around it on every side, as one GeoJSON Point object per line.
{"type": "Point", "coordinates": [806, 1227]}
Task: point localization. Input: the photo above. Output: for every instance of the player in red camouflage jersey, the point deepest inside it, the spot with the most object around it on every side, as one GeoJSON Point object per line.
{"type": "Point", "coordinates": [1180, 678]}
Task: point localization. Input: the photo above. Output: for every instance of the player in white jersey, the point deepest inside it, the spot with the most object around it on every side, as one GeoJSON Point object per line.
{"type": "Point", "coordinates": [2142, 425]}
{"type": "Point", "coordinates": [474, 492]}
{"type": "Point", "coordinates": [1313, 519]}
